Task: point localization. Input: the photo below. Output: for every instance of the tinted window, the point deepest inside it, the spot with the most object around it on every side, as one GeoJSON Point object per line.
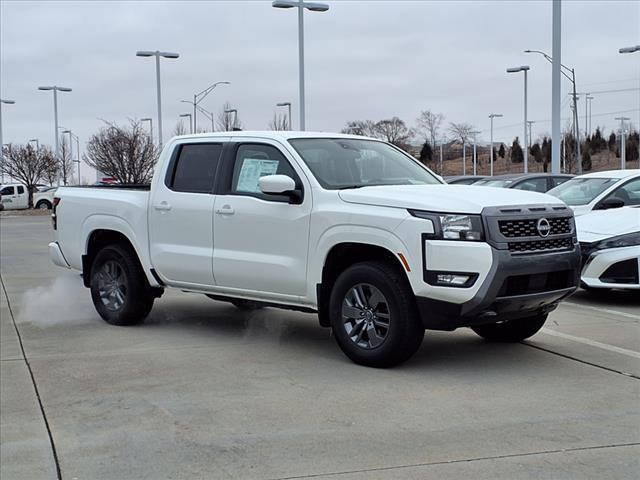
{"type": "Point", "coordinates": [195, 168]}
{"type": "Point", "coordinates": [628, 193]}
{"type": "Point", "coordinates": [20, 189]}
{"type": "Point", "coordinates": [7, 191]}
{"type": "Point", "coordinates": [533, 185]}
{"type": "Point", "coordinates": [580, 190]}
{"type": "Point", "coordinates": [555, 181]}
{"type": "Point", "coordinates": [254, 161]}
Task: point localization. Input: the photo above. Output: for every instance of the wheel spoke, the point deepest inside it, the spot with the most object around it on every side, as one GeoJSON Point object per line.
{"type": "Point", "coordinates": [119, 297]}
{"type": "Point", "coordinates": [360, 333]}
{"type": "Point", "coordinates": [374, 338]}
{"type": "Point", "coordinates": [359, 296]}
{"type": "Point", "coordinates": [349, 311]}
{"type": "Point", "coordinates": [378, 322]}
{"type": "Point", "coordinates": [376, 298]}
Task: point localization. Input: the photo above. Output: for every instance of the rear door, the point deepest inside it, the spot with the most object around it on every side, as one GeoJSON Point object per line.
{"type": "Point", "coordinates": [260, 241]}
{"type": "Point", "coordinates": [180, 215]}
{"type": "Point", "coordinates": [22, 197]}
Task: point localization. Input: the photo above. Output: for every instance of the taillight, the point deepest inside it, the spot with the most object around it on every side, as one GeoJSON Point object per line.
{"type": "Point", "coordinates": [54, 217]}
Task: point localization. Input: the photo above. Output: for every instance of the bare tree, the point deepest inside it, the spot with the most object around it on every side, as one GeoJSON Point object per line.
{"type": "Point", "coordinates": [26, 165]}
{"type": "Point", "coordinates": [124, 153]}
{"type": "Point", "coordinates": [65, 163]}
{"type": "Point", "coordinates": [225, 121]}
{"type": "Point", "coordinates": [461, 131]}
{"type": "Point", "coordinates": [279, 122]}
{"type": "Point", "coordinates": [179, 129]}
{"type": "Point", "coordinates": [394, 131]}
{"type": "Point", "coordinates": [365, 128]}
{"type": "Point", "coordinates": [429, 124]}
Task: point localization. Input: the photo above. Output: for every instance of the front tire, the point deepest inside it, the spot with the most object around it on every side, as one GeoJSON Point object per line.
{"type": "Point", "coordinates": [374, 316]}
{"type": "Point", "coordinates": [119, 288]}
{"type": "Point", "coordinates": [511, 331]}
{"type": "Point", "coordinates": [43, 205]}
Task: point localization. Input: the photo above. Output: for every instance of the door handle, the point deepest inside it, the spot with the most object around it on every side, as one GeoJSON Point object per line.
{"type": "Point", "coordinates": [225, 210]}
{"type": "Point", "coordinates": [163, 206]}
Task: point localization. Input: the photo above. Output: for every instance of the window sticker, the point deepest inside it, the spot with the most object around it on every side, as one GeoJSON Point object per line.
{"type": "Point", "coordinates": [252, 169]}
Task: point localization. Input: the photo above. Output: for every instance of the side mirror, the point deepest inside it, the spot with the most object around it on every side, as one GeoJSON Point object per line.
{"type": "Point", "coordinates": [611, 202]}
{"type": "Point", "coordinates": [276, 184]}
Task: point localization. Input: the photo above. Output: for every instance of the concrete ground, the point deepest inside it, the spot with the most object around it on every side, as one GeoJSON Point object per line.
{"type": "Point", "coordinates": [202, 390]}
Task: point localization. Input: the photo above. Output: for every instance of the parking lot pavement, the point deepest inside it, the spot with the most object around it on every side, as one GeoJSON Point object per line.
{"type": "Point", "coordinates": [202, 390]}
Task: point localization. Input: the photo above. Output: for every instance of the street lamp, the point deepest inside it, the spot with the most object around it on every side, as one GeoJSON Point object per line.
{"type": "Point", "coordinates": [475, 156]}
{"type": "Point", "coordinates": [623, 147]}
{"type": "Point", "coordinates": [525, 69]}
{"type": "Point", "coordinates": [235, 117]}
{"type": "Point", "coordinates": [198, 97]}
{"type": "Point", "coordinates": [635, 48]}
{"type": "Point", "coordinates": [158, 54]}
{"type": "Point", "coordinates": [37, 143]}
{"type": "Point", "coordinates": [529, 123]}
{"type": "Point", "coordinates": [301, 5]}
{"type": "Point", "coordinates": [492, 116]}
{"type": "Point", "coordinates": [572, 79]}
{"type": "Point", "coordinates": [587, 100]}
{"type": "Point", "coordinates": [71, 137]}
{"type": "Point", "coordinates": [150, 120]}
{"type": "Point", "coordinates": [8, 102]}
{"type": "Point", "coordinates": [184, 115]}
{"type": "Point", "coordinates": [56, 89]}
{"type": "Point", "coordinates": [286, 104]}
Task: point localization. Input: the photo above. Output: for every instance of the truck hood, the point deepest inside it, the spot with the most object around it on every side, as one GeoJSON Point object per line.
{"type": "Point", "coordinates": [444, 198]}
{"type": "Point", "coordinates": [601, 224]}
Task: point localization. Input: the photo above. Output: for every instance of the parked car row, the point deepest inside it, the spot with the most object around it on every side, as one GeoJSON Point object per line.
{"type": "Point", "coordinates": [15, 196]}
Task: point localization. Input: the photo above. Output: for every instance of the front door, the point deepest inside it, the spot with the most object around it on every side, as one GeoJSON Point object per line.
{"type": "Point", "coordinates": [260, 241]}
{"type": "Point", "coordinates": [180, 215]}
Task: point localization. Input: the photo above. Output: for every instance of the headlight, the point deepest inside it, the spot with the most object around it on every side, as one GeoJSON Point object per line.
{"type": "Point", "coordinates": [628, 240]}
{"type": "Point", "coordinates": [453, 226]}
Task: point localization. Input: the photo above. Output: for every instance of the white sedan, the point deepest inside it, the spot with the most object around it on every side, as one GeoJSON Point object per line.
{"type": "Point", "coordinates": [600, 191]}
{"type": "Point", "coordinates": [610, 244]}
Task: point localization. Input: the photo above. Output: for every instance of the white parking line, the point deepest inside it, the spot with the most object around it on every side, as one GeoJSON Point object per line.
{"type": "Point", "coordinates": [593, 343]}
{"type": "Point", "coordinates": [603, 310]}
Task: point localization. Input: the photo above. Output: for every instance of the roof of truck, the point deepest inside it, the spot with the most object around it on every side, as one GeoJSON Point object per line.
{"type": "Point", "coordinates": [276, 134]}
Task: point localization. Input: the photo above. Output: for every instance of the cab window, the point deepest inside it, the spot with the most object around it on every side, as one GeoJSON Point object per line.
{"type": "Point", "coordinates": [7, 191]}
{"type": "Point", "coordinates": [533, 185]}
{"type": "Point", "coordinates": [194, 168]}
{"type": "Point", "coordinates": [20, 189]}
{"type": "Point", "coordinates": [629, 193]}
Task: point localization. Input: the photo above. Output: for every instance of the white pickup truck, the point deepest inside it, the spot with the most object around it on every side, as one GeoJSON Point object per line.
{"type": "Point", "coordinates": [349, 227]}
{"type": "Point", "coordinates": [15, 196]}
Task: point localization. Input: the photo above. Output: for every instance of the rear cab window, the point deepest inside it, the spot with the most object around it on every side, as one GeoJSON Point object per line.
{"type": "Point", "coordinates": [193, 167]}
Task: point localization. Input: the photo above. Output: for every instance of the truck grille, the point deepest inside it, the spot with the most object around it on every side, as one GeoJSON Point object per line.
{"type": "Point", "coordinates": [527, 227]}
{"type": "Point", "coordinates": [534, 246]}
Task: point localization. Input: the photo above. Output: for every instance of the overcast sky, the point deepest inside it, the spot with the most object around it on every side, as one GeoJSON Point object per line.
{"type": "Point", "coordinates": [364, 60]}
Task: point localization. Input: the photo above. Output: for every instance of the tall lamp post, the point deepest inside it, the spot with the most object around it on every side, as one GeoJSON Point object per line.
{"type": "Point", "coordinates": [56, 89]}
{"type": "Point", "coordinates": [475, 155]}
{"type": "Point", "coordinates": [529, 123]}
{"type": "Point", "coordinates": [286, 104]}
{"type": "Point", "coordinates": [588, 98]}
{"type": "Point", "coordinates": [492, 116]}
{"type": "Point", "coordinates": [71, 138]}
{"type": "Point", "coordinates": [633, 49]}
{"type": "Point", "coordinates": [525, 69]}
{"type": "Point", "coordinates": [183, 115]}
{"type": "Point", "coordinates": [37, 142]}
{"type": "Point", "coordinates": [623, 146]}
{"type": "Point", "coordinates": [235, 117]}
{"type": "Point", "coordinates": [150, 120]}
{"type": "Point", "coordinates": [8, 102]}
{"type": "Point", "coordinates": [158, 54]}
{"type": "Point", "coordinates": [198, 97]}
{"type": "Point", "coordinates": [574, 95]}
{"type": "Point", "coordinates": [301, 5]}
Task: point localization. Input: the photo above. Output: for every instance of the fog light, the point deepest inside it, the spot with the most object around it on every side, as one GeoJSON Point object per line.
{"type": "Point", "coordinates": [451, 279]}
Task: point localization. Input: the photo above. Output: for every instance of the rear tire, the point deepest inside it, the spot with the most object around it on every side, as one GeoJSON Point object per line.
{"type": "Point", "coordinates": [511, 331]}
{"type": "Point", "coordinates": [374, 316]}
{"type": "Point", "coordinates": [119, 289]}
{"type": "Point", "coordinates": [43, 205]}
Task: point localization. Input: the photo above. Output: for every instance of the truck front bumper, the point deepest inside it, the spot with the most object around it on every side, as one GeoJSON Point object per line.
{"type": "Point", "coordinates": [516, 286]}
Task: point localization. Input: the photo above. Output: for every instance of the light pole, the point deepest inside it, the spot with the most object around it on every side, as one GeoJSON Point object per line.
{"type": "Point", "coordinates": [492, 116]}
{"type": "Point", "coordinates": [301, 5]}
{"type": "Point", "coordinates": [56, 89]}
{"type": "Point", "coordinates": [37, 143]}
{"type": "Point", "coordinates": [150, 120]}
{"type": "Point", "coordinates": [529, 123]}
{"type": "Point", "coordinates": [235, 117]}
{"type": "Point", "coordinates": [556, 70]}
{"type": "Point", "coordinates": [183, 115]}
{"type": "Point", "coordinates": [71, 137]}
{"type": "Point", "coordinates": [8, 102]}
{"type": "Point", "coordinates": [623, 147]}
{"type": "Point", "coordinates": [158, 54]}
{"type": "Point", "coordinates": [441, 143]}
{"type": "Point", "coordinates": [525, 69]}
{"type": "Point", "coordinates": [572, 79]}
{"type": "Point", "coordinates": [588, 99]}
{"type": "Point", "coordinates": [286, 104]}
{"type": "Point", "coordinates": [198, 97]}
{"type": "Point", "coordinates": [475, 156]}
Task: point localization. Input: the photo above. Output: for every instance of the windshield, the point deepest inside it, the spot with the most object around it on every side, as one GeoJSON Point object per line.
{"type": "Point", "coordinates": [494, 183]}
{"type": "Point", "coordinates": [339, 163]}
{"type": "Point", "coordinates": [581, 191]}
